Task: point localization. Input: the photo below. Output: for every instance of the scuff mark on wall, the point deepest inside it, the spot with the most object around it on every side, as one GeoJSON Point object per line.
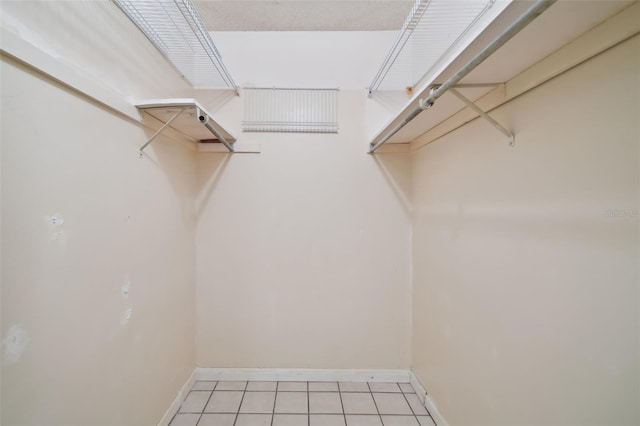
{"type": "Point", "coordinates": [126, 287]}
{"type": "Point", "coordinates": [14, 344]}
{"type": "Point", "coordinates": [56, 231]}
{"type": "Point", "coordinates": [126, 316]}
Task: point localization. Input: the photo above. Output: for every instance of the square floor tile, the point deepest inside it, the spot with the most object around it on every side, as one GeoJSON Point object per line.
{"type": "Point", "coordinates": [426, 421]}
{"type": "Point", "coordinates": [406, 388]}
{"type": "Point", "coordinates": [363, 421]}
{"type": "Point", "coordinates": [354, 387]}
{"type": "Point", "coordinates": [258, 402]}
{"type": "Point", "coordinates": [358, 403]}
{"type": "Point", "coordinates": [392, 403]}
{"type": "Point", "coordinates": [326, 420]}
{"type": "Point", "coordinates": [231, 386]}
{"type": "Point", "coordinates": [292, 403]}
{"type": "Point", "coordinates": [399, 421]}
{"type": "Point", "coordinates": [290, 420]}
{"type": "Point", "coordinates": [323, 387]}
{"type": "Point", "coordinates": [416, 405]}
{"type": "Point", "coordinates": [195, 402]}
{"type": "Point", "coordinates": [224, 402]}
{"type": "Point", "coordinates": [262, 386]}
{"type": "Point", "coordinates": [384, 387]}
{"type": "Point", "coordinates": [325, 403]}
{"type": "Point", "coordinates": [292, 386]}
{"type": "Point", "coordinates": [253, 420]}
{"type": "Point", "coordinates": [204, 385]}
{"type": "Point", "coordinates": [217, 420]}
{"type": "Point", "coordinates": [185, 420]}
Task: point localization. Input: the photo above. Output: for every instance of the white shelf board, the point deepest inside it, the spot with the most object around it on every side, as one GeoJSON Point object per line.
{"type": "Point", "coordinates": [187, 122]}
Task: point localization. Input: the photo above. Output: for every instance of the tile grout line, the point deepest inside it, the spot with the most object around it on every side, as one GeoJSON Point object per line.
{"type": "Point", "coordinates": [375, 403]}
{"type": "Point", "coordinates": [241, 399]}
{"type": "Point", "coordinates": [207, 403]}
{"type": "Point", "coordinates": [415, 416]}
{"type": "Point", "coordinates": [275, 398]}
{"type": "Point", "coordinates": [428, 412]}
{"type": "Point", "coordinates": [344, 414]}
{"type": "Point", "coordinates": [308, 406]}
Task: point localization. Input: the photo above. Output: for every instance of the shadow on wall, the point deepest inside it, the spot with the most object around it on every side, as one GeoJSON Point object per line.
{"type": "Point", "coordinates": [214, 170]}
{"type": "Point", "coordinates": [391, 165]}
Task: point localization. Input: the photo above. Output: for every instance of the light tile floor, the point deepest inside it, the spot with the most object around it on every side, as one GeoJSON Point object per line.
{"type": "Point", "coordinates": [301, 404]}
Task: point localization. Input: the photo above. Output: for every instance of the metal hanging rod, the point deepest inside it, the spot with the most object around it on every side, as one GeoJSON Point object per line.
{"type": "Point", "coordinates": [525, 19]}
{"type": "Point", "coordinates": [431, 32]}
{"type": "Point", "coordinates": [204, 119]}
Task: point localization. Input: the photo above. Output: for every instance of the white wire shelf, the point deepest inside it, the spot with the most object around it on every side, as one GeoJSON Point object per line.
{"type": "Point", "coordinates": [176, 30]}
{"type": "Point", "coordinates": [431, 31]}
{"type": "Point", "coordinates": [290, 110]}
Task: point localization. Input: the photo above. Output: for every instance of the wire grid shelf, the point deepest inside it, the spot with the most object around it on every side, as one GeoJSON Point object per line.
{"type": "Point", "coordinates": [176, 30]}
{"type": "Point", "coordinates": [290, 110]}
{"type": "Point", "coordinates": [431, 30]}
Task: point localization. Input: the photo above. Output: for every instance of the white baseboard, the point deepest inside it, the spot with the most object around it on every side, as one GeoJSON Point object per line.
{"type": "Point", "coordinates": [426, 400]}
{"type": "Point", "coordinates": [175, 405]}
{"type": "Point", "coordinates": [302, 375]}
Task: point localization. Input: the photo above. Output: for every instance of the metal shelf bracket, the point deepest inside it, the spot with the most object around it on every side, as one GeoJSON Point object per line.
{"type": "Point", "coordinates": [164, 126]}
{"type": "Point", "coordinates": [487, 117]}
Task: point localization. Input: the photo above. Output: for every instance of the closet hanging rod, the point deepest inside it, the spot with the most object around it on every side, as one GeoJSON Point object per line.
{"type": "Point", "coordinates": [525, 19]}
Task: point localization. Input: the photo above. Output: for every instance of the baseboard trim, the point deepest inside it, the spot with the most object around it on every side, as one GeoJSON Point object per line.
{"type": "Point", "coordinates": [302, 375]}
{"type": "Point", "coordinates": [426, 400]}
{"type": "Point", "coordinates": [175, 405]}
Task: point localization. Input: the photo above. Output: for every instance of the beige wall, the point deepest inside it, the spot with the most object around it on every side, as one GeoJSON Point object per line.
{"type": "Point", "coordinates": [525, 303]}
{"type": "Point", "coordinates": [70, 357]}
{"type": "Point", "coordinates": [304, 251]}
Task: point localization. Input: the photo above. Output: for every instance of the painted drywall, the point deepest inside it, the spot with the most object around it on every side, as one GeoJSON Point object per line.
{"type": "Point", "coordinates": [344, 59]}
{"type": "Point", "coordinates": [303, 251]}
{"type": "Point", "coordinates": [525, 260]}
{"type": "Point", "coordinates": [98, 270]}
{"type": "Point", "coordinates": [97, 261]}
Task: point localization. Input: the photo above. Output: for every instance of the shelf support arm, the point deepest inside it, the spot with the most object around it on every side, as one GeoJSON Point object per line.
{"type": "Point", "coordinates": [529, 15]}
{"type": "Point", "coordinates": [484, 115]}
{"type": "Point", "coordinates": [222, 140]}
{"type": "Point", "coordinates": [164, 126]}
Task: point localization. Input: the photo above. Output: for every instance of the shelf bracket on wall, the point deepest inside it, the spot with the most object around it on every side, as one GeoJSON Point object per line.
{"type": "Point", "coordinates": [487, 117]}
{"type": "Point", "coordinates": [164, 126]}
{"type": "Point", "coordinates": [186, 116]}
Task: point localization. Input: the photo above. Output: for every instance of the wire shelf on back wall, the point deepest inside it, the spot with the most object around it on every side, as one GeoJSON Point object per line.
{"type": "Point", "coordinates": [431, 30]}
{"type": "Point", "coordinates": [176, 30]}
{"type": "Point", "coordinates": [290, 110]}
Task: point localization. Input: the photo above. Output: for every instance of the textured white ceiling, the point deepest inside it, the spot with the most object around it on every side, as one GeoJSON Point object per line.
{"type": "Point", "coordinates": [303, 15]}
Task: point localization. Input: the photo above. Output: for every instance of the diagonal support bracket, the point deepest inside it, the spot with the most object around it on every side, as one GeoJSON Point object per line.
{"type": "Point", "coordinates": [155, 135]}
{"type": "Point", "coordinates": [484, 115]}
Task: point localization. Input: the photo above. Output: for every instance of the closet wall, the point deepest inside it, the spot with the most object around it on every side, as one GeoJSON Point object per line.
{"type": "Point", "coordinates": [98, 281]}
{"type": "Point", "coordinates": [525, 260]}
{"type": "Point", "coordinates": [304, 251]}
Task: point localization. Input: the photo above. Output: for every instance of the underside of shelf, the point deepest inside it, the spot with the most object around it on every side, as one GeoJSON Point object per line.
{"type": "Point", "coordinates": [187, 117]}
